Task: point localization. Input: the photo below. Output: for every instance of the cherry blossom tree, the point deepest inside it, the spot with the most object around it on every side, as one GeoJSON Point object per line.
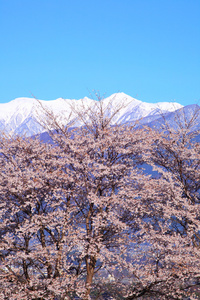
{"type": "Point", "coordinates": [174, 226]}
{"type": "Point", "coordinates": [36, 232]}
{"type": "Point", "coordinates": [107, 180]}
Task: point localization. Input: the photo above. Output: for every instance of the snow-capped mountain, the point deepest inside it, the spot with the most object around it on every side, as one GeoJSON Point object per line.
{"type": "Point", "coordinates": [24, 115]}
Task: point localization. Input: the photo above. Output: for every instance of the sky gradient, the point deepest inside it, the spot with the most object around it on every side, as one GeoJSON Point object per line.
{"type": "Point", "coordinates": [148, 49]}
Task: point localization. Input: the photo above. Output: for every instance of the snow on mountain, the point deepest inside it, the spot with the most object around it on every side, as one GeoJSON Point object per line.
{"type": "Point", "coordinates": [132, 109]}
{"type": "Point", "coordinates": [24, 115]}
{"type": "Point", "coordinates": [168, 106]}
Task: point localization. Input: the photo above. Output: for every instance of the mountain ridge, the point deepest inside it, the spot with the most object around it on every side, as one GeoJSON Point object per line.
{"type": "Point", "coordinates": [22, 115]}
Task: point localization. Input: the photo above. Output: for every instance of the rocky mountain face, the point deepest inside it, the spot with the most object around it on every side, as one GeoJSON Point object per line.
{"type": "Point", "coordinates": [24, 116]}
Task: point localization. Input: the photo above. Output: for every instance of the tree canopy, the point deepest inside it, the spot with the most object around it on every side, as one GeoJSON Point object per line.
{"type": "Point", "coordinates": [84, 217]}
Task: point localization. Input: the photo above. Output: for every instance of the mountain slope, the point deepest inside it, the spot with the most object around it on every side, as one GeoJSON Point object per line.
{"type": "Point", "coordinates": [187, 118]}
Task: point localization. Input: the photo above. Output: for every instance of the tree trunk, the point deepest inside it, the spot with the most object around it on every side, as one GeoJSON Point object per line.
{"type": "Point", "coordinates": [90, 273]}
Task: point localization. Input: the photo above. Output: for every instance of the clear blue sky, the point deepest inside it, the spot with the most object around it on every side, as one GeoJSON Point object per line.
{"type": "Point", "coordinates": [148, 49]}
